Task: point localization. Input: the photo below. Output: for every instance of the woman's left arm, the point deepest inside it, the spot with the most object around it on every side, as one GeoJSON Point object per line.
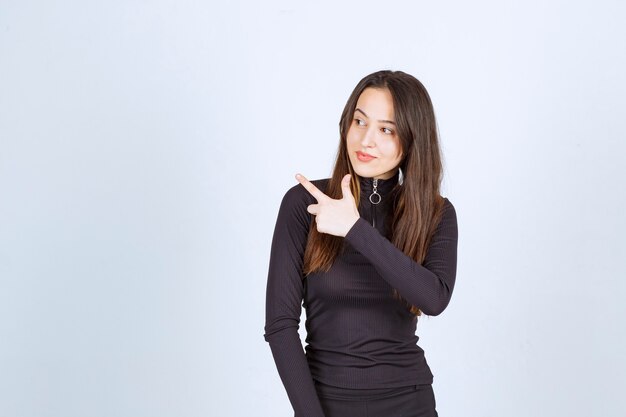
{"type": "Point", "coordinates": [427, 286]}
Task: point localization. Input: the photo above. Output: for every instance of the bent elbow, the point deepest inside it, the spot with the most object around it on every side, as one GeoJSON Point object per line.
{"type": "Point", "coordinates": [434, 310]}
{"type": "Point", "coordinates": [436, 307]}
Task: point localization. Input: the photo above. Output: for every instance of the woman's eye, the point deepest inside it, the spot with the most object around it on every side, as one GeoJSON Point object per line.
{"type": "Point", "coordinates": [387, 130]}
{"type": "Point", "coordinates": [359, 122]}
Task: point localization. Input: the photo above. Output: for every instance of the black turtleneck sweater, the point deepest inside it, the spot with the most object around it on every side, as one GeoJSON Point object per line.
{"type": "Point", "coordinates": [358, 334]}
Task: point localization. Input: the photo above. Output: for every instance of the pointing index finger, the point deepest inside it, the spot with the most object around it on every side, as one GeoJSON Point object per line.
{"type": "Point", "coordinates": [312, 189]}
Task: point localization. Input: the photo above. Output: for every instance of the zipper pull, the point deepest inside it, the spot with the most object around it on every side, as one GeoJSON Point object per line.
{"type": "Point", "coordinates": [375, 197]}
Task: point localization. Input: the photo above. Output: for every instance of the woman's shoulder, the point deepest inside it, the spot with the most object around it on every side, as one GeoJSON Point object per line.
{"type": "Point", "coordinates": [298, 198]}
{"type": "Point", "coordinates": [448, 217]}
{"type": "Point", "coordinates": [293, 208]}
{"type": "Point", "coordinates": [299, 194]}
{"type": "Point", "coordinates": [447, 204]}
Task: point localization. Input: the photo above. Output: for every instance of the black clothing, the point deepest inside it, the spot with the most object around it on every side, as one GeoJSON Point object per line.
{"type": "Point", "coordinates": [409, 401]}
{"type": "Point", "coordinates": [358, 335]}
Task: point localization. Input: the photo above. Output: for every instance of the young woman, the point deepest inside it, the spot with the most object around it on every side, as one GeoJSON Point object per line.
{"type": "Point", "coordinates": [365, 252]}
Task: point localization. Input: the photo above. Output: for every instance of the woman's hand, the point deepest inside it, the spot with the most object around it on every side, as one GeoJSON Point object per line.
{"type": "Point", "coordinates": [335, 217]}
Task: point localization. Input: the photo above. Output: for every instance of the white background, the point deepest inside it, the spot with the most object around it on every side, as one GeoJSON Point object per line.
{"type": "Point", "coordinates": [145, 147]}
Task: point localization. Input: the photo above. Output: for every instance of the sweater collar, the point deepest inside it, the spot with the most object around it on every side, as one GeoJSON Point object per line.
{"type": "Point", "coordinates": [383, 187]}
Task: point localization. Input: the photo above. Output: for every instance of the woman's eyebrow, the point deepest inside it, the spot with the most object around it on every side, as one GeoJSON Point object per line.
{"type": "Point", "coordinates": [381, 121]}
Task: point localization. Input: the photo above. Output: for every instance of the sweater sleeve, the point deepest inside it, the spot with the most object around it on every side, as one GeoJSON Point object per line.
{"type": "Point", "coordinates": [284, 295]}
{"type": "Point", "coordinates": [427, 286]}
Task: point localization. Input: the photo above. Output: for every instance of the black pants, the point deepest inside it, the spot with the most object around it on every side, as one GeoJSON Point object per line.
{"type": "Point", "coordinates": [411, 401]}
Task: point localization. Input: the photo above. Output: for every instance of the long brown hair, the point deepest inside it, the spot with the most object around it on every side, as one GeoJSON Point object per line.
{"type": "Point", "coordinates": [418, 203]}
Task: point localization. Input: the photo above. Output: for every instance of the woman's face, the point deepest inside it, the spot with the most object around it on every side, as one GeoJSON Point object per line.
{"type": "Point", "coordinates": [372, 142]}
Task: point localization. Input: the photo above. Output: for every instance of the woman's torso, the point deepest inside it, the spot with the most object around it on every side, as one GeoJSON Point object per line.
{"type": "Point", "coordinates": [358, 334]}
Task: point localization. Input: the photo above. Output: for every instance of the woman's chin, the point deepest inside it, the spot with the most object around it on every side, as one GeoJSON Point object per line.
{"type": "Point", "coordinates": [372, 173]}
{"type": "Point", "coordinates": [361, 172]}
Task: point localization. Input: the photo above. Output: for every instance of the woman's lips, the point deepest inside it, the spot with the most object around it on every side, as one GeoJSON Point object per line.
{"type": "Point", "coordinates": [363, 157]}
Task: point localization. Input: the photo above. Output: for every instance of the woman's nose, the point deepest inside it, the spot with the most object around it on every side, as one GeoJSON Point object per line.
{"type": "Point", "coordinates": [367, 141]}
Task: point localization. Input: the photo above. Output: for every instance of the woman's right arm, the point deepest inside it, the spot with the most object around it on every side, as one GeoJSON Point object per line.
{"type": "Point", "coordinates": [285, 291]}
